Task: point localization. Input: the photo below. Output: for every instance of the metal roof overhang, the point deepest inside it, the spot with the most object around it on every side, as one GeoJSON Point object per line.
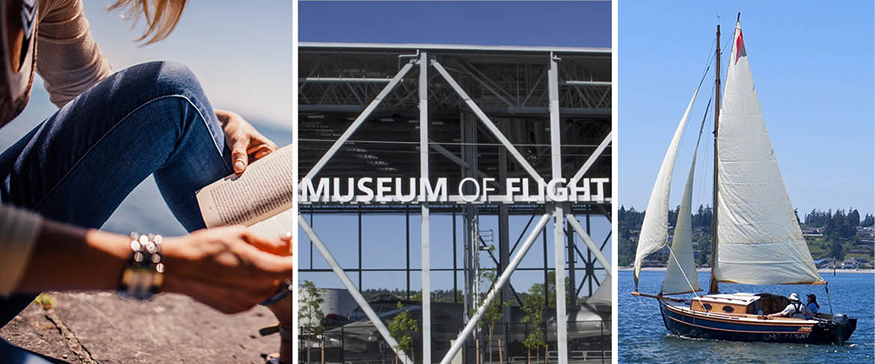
{"type": "Point", "coordinates": [338, 80]}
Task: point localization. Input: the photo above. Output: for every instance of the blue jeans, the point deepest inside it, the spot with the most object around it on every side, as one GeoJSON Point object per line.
{"type": "Point", "coordinates": [80, 163]}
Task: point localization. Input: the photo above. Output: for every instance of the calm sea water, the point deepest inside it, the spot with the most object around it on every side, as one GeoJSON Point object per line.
{"type": "Point", "coordinates": [643, 338]}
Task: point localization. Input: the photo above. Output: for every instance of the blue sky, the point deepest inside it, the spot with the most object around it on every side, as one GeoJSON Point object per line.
{"type": "Point", "coordinates": [813, 67]}
{"type": "Point", "coordinates": [571, 24]}
{"type": "Point", "coordinates": [241, 52]}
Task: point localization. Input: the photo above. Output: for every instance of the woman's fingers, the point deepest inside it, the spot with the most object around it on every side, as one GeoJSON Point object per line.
{"type": "Point", "coordinates": [247, 144]}
{"type": "Point", "coordinates": [280, 246]}
{"type": "Point", "coordinates": [238, 152]}
{"type": "Point", "coordinates": [260, 146]}
{"type": "Point", "coordinates": [270, 265]}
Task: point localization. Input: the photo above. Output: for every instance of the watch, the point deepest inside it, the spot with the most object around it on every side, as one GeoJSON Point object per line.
{"type": "Point", "coordinates": [143, 274]}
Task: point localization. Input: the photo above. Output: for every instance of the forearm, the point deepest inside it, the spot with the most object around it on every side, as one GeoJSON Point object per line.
{"type": "Point", "coordinates": [71, 258]}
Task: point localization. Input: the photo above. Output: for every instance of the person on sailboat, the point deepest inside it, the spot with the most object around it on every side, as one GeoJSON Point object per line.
{"type": "Point", "coordinates": [794, 309]}
{"type": "Point", "coordinates": [812, 304]}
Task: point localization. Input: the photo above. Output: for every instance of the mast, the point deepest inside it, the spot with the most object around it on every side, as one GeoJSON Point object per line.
{"type": "Point", "coordinates": [713, 289]}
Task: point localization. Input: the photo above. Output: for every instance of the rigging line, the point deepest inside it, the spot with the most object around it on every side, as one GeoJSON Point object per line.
{"type": "Point", "coordinates": [671, 254]}
{"type": "Point", "coordinates": [710, 51]}
{"type": "Point", "coordinates": [702, 127]}
{"type": "Point", "coordinates": [704, 76]}
{"type": "Point", "coordinates": [705, 122]}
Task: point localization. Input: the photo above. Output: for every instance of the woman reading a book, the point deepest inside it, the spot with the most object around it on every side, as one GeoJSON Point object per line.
{"type": "Point", "coordinates": [64, 179]}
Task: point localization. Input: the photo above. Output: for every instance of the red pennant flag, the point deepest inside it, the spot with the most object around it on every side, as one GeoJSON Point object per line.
{"type": "Point", "coordinates": [739, 47]}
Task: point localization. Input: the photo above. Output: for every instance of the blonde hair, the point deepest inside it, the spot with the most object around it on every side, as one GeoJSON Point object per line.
{"type": "Point", "coordinates": [161, 16]}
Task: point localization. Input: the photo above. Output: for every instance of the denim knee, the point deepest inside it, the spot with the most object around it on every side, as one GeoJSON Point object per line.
{"type": "Point", "coordinates": [171, 82]}
{"type": "Point", "coordinates": [171, 79]}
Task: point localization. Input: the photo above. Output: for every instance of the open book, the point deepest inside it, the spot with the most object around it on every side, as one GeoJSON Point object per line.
{"type": "Point", "coordinates": [260, 198]}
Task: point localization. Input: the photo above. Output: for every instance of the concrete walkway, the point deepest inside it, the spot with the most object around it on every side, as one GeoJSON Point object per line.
{"type": "Point", "coordinates": [101, 328]}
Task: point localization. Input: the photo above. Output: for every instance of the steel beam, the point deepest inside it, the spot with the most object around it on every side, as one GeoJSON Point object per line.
{"type": "Point", "coordinates": [558, 216]}
{"type": "Point", "coordinates": [343, 80]}
{"type": "Point", "coordinates": [592, 158]}
{"type": "Point", "coordinates": [423, 171]}
{"type": "Point", "coordinates": [587, 83]}
{"type": "Point", "coordinates": [589, 243]}
{"type": "Point", "coordinates": [358, 121]}
{"type": "Point", "coordinates": [353, 290]}
{"type": "Point", "coordinates": [486, 121]}
{"type": "Point", "coordinates": [512, 111]}
{"type": "Point", "coordinates": [485, 85]}
{"type": "Point", "coordinates": [455, 159]}
{"type": "Point", "coordinates": [499, 283]}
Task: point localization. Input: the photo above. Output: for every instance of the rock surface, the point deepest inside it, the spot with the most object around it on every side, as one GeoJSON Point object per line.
{"type": "Point", "coordinates": [101, 328]}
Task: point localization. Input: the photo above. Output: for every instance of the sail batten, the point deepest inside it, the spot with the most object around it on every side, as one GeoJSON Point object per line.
{"type": "Point", "coordinates": [760, 239]}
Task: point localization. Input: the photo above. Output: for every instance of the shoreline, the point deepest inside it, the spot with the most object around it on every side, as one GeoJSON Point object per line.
{"type": "Point", "coordinates": [855, 271]}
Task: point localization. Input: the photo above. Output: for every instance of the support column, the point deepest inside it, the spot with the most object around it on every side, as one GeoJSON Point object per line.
{"type": "Point", "coordinates": [423, 171]}
{"type": "Point", "coordinates": [572, 273]}
{"type": "Point", "coordinates": [558, 216]}
{"type": "Point", "coordinates": [503, 230]}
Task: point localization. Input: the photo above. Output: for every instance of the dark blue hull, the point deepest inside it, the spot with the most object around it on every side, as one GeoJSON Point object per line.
{"type": "Point", "coordinates": [690, 324]}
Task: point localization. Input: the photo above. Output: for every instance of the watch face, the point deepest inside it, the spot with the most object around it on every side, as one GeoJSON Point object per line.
{"type": "Point", "coordinates": [18, 23]}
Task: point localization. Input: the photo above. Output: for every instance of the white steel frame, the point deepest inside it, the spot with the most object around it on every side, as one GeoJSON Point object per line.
{"type": "Point", "coordinates": [559, 215]}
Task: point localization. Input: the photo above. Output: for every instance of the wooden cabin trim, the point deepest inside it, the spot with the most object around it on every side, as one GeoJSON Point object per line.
{"type": "Point", "coordinates": [747, 319]}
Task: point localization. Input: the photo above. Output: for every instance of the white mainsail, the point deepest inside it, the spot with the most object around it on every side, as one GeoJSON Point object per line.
{"type": "Point", "coordinates": [759, 239]}
{"type": "Point", "coordinates": [654, 229]}
{"type": "Point", "coordinates": [680, 276]}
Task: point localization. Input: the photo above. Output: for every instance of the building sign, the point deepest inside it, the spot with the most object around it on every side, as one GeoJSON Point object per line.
{"type": "Point", "coordinates": [469, 190]}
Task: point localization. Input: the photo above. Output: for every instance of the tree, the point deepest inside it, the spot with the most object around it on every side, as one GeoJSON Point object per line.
{"type": "Point", "coordinates": [868, 221]}
{"type": "Point", "coordinates": [533, 307]}
{"type": "Point", "coordinates": [494, 311]}
{"type": "Point", "coordinates": [402, 328]}
{"type": "Point", "coordinates": [310, 313]}
{"type": "Point", "coordinates": [854, 218]}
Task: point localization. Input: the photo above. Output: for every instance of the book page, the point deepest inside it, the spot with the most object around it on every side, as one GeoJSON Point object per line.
{"type": "Point", "coordinates": [279, 225]}
{"type": "Point", "coordinates": [263, 191]}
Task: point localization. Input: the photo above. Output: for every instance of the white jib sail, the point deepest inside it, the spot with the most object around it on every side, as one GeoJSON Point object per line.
{"type": "Point", "coordinates": [759, 240]}
{"type": "Point", "coordinates": [654, 230]}
{"type": "Point", "coordinates": [680, 276]}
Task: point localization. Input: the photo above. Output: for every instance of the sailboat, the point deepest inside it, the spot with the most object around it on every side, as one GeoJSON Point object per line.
{"type": "Point", "coordinates": [756, 238]}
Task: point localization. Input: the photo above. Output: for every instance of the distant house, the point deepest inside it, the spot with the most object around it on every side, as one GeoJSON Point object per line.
{"type": "Point", "coordinates": [851, 263]}
{"type": "Point", "coordinates": [822, 263]}
{"type": "Point", "coordinates": [812, 233]}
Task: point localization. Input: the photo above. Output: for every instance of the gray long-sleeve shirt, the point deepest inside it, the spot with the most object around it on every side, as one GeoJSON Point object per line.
{"type": "Point", "coordinates": [70, 62]}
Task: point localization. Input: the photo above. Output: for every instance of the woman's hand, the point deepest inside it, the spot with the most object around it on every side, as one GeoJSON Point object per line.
{"type": "Point", "coordinates": [247, 144]}
{"type": "Point", "coordinates": [227, 268]}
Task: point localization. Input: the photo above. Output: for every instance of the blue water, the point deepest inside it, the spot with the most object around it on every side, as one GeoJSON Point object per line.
{"type": "Point", "coordinates": [643, 338]}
